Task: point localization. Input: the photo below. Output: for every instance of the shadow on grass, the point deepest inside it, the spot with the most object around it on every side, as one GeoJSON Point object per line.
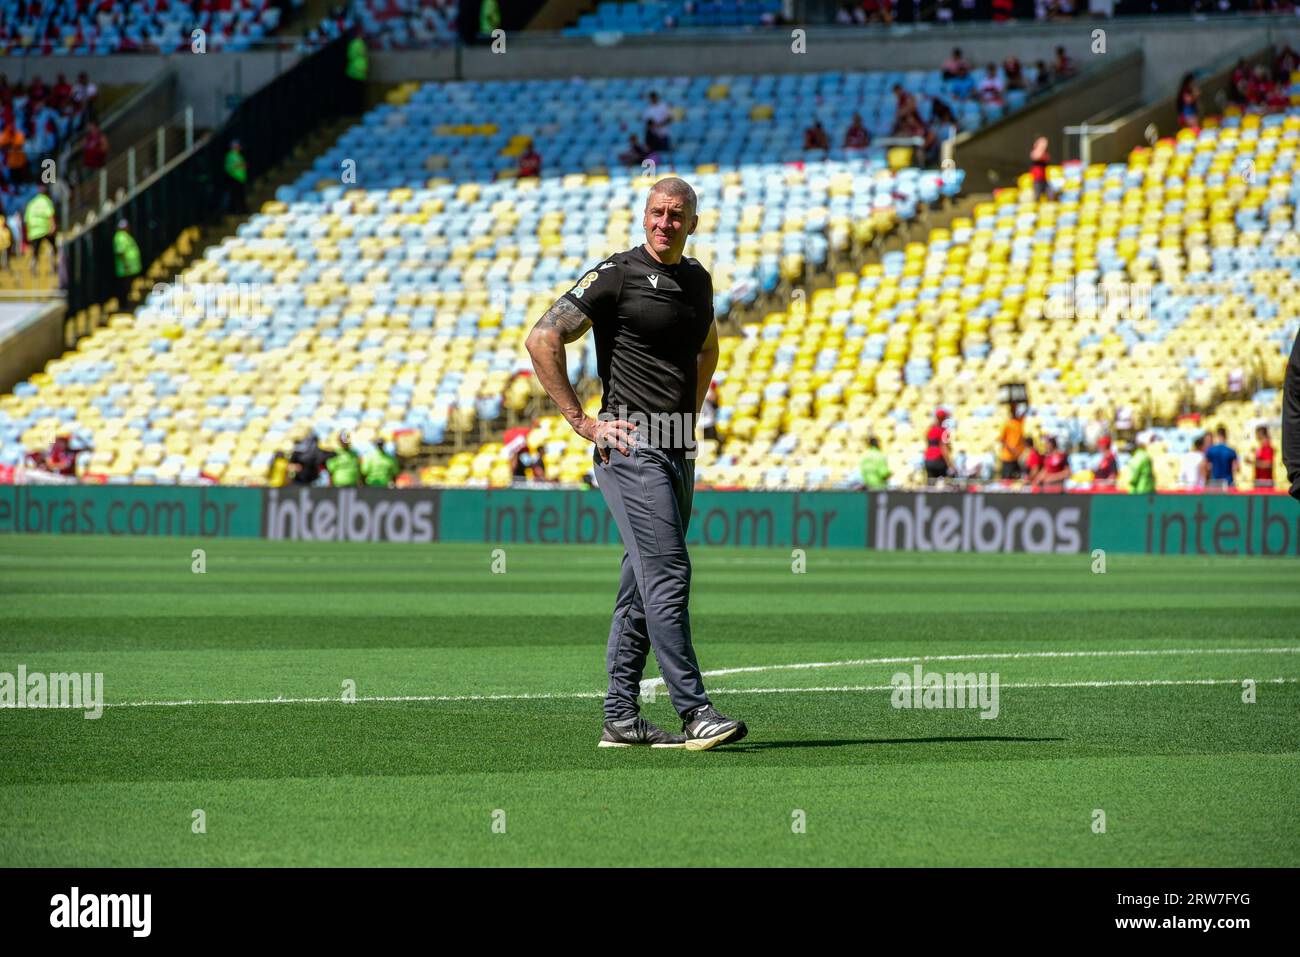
{"type": "Point", "coordinates": [844, 742]}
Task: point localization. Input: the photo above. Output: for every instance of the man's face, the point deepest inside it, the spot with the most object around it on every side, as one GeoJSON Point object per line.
{"type": "Point", "coordinates": [668, 221]}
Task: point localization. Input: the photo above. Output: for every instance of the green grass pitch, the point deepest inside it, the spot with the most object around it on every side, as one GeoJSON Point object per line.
{"type": "Point", "coordinates": [495, 762]}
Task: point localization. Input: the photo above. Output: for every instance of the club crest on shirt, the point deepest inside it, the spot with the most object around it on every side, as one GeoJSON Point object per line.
{"type": "Point", "coordinates": [577, 291]}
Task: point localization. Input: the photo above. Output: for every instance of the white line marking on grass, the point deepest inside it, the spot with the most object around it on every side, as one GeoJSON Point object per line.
{"type": "Point", "coordinates": [1025, 684]}
{"type": "Point", "coordinates": [369, 698]}
{"type": "Point", "coordinates": [995, 656]}
{"type": "Point", "coordinates": [575, 695]}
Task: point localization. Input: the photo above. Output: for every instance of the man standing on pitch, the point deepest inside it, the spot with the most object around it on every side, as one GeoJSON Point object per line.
{"type": "Point", "coordinates": [651, 310]}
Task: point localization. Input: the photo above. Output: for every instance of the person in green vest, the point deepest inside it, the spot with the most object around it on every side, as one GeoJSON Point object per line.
{"type": "Point", "coordinates": [40, 224]}
{"type": "Point", "coordinates": [236, 179]}
{"type": "Point", "coordinates": [380, 467]}
{"type": "Point", "coordinates": [874, 466]}
{"type": "Point", "coordinates": [358, 71]}
{"type": "Point", "coordinates": [344, 466]}
{"type": "Point", "coordinates": [489, 17]}
{"type": "Point", "coordinates": [126, 261]}
{"type": "Point", "coordinates": [1141, 473]}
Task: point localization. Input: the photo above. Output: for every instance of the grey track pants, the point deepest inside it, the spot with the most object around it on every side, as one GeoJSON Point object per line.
{"type": "Point", "coordinates": [649, 492]}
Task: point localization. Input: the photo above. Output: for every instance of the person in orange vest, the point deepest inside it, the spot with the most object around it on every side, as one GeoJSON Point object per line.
{"type": "Point", "coordinates": [13, 144]}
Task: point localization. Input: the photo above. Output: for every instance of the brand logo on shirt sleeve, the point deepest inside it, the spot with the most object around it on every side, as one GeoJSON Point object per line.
{"type": "Point", "coordinates": [577, 291]}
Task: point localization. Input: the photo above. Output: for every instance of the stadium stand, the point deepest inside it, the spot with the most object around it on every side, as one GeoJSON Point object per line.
{"type": "Point", "coordinates": [657, 15]}
{"type": "Point", "coordinates": [414, 287]}
{"type": "Point", "coordinates": [162, 26]}
{"type": "Point", "coordinates": [406, 24]}
{"type": "Point", "coordinates": [1203, 224]}
{"type": "Point", "coordinates": [416, 284]}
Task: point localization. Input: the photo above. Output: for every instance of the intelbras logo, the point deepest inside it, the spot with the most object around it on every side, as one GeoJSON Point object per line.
{"type": "Point", "coordinates": [350, 515]}
{"type": "Point", "coordinates": [948, 522]}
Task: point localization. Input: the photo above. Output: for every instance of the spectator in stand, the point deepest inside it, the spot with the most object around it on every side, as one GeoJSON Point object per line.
{"type": "Point", "coordinates": [955, 65]}
{"type": "Point", "coordinates": [635, 153]}
{"type": "Point", "coordinates": [962, 86]}
{"type": "Point", "coordinates": [1263, 458]}
{"type": "Point", "coordinates": [1189, 103]}
{"type": "Point", "coordinates": [1063, 66]}
{"type": "Point", "coordinates": [530, 162]}
{"type": "Point", "coordinates": [943, 118]}
{"type": "Point", "coordinates": [1223, 462]}
{"type": "Point", "coordinates": [990, 90]}
{"type": "Point", "coordinates": [938, 449]}
{"type": "Point", "coordinates": [1042, 77]}
{"type": "Point", "coordinates": [654, 143]}
{"type": "Point", "coordinates": [905, 114]}
{"type": "Point", "coordinates": [658, 115]}
{"type": "Point", "coordinates": [94, 149]}
{"type": "Point", "coordinates": [14, 145]}
{"type": "Point", "coordinates": [1193, 469]}
{"type": "Point", "coordinates": [1002, 10]}
{"type": "Point", "coordinates": [874, 466]}
{"type": "Point", "coordinates": [850, 14]}
{"type": "Point", "coordinates": [1033, 463]}
{"type": "Point", "coordinates": [879, 11]}
{"type": "Point", "coordinates": [46, 136]}
{"type": "Point", "coordinates": [857, 137]}
{"type": "Point", "coordinates": [61, 92]}
{"type": "Point", "coordinates": [1040, 158]}
{"type": "Point", "coordinates": [1286, 63]}
{"type": "Point", "coordinates": [6, 242]}
{"type": "Point", "coordinates": [1141, 472]}
{"type": "Point", "coordinates": [1056, 467]}
{"type": "Point", "coordinates": [1106, 473]}
{"type": "Point", "coordinates": [1239, 83]}
{"type": "Point", "coordinates": [1014, 73]}
{"type": "Point", "coordinates": [815, 138]}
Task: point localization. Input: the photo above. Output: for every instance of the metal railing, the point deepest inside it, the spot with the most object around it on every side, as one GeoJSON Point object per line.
{"type": "Point", "coordinates": [85, 194]}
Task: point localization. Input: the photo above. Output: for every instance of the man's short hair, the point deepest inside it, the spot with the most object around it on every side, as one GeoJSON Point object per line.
{"type": "Point", "coordinates": [677, 188]}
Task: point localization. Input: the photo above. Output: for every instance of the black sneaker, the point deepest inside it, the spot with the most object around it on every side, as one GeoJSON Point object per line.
{"type": "Point", "coordinates": [638, 732]}
{"type": "Point", "coordinates": [706, 728]}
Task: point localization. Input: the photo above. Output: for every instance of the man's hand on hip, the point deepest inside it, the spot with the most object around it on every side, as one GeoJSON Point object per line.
{"type": "Point", "coordinates": [607, 433]}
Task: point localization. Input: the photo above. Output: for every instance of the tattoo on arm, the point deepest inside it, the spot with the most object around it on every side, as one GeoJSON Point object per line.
{"type": "Point", "coordinates": [566, 319]}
